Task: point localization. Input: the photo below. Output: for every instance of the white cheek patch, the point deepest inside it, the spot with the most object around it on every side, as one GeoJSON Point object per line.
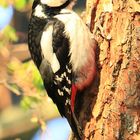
{"type": "Point", "coordinates": [53, 3]}
{"type": "Point", "coordinates": [38, 12]}
{"type": "Point", "coordinates": [47, 49]}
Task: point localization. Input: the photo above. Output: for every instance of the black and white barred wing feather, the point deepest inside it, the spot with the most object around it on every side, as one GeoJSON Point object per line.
{"type": "Point", "coordinates": [55, 63]}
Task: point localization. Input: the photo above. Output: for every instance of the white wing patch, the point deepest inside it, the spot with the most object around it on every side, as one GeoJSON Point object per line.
{"type": "Point", "coordinates": [60, 92]}
{"type": "Point", "coordinates": [47, 49]}
{"type": "Point", "coordinates": [67, 90]}
{"type": "Point", "coordinates": [68, 102]}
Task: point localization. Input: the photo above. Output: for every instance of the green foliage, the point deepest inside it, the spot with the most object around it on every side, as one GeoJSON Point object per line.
{"type": "Point", "coordinates": [10, 33]}
{"type": "Point", "coordinates": [23, 79]}
{"type": "Point", "coordinates": [3, 3]}
{"type": "Point", "coordinates": [27, 81]}
{"type": "Point", "coordinates": [13, 87]}
{"type": "Point", "coordinates": [37, 81]}
{"type": "Point", "coordinates": [26, 71]}
{"type": "Point", "coordinates": [29, 102]}
{"type": "Point", "coordinates": [18, 4]}
{"type": "Point", "coordinates": [36, 78]}
{"type": "Point", "coordinates": [21, 4]}
{"type": "Point", "coordinates": [7, 35]}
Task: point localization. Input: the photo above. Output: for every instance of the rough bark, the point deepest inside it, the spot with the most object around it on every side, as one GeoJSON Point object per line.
{"type": "Point", "coordinates": [111, 108]}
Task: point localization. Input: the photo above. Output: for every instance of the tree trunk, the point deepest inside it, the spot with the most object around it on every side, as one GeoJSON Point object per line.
{"type": "Point", "coordinates": [111, 109]}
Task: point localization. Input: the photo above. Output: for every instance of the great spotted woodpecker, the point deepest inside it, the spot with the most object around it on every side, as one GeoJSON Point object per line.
{"type": "Point", "coordinates": [62, 49]}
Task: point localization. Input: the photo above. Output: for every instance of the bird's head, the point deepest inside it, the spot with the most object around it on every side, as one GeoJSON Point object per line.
{"type": "Point", "coordinates": [52, 3]}
{"type": "Point", "coordinates": [43, 7]}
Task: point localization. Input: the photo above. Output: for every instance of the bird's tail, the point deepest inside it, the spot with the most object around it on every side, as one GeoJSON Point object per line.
{"type": "Point", "coordinates": [75, 126]}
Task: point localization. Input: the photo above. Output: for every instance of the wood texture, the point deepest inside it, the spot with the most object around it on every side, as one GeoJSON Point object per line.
{"type": "Point", "coordinates": [110, 107]}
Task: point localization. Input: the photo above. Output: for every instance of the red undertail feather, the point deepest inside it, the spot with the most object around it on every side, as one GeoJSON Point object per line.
{"type": "Point", "coordinates": [73, 95]}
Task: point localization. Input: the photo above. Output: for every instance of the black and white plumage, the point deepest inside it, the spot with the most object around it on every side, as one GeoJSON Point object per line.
{"type": "Point", "coordinates": [61, 47]}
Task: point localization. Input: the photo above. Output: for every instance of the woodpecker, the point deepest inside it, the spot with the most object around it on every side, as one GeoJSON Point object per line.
{"type": "Point", "coordinates": [62, 48]}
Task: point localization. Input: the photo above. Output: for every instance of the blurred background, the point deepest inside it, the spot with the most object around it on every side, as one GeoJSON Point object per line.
{"type": "Point", "coordinates": [26, 112]}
